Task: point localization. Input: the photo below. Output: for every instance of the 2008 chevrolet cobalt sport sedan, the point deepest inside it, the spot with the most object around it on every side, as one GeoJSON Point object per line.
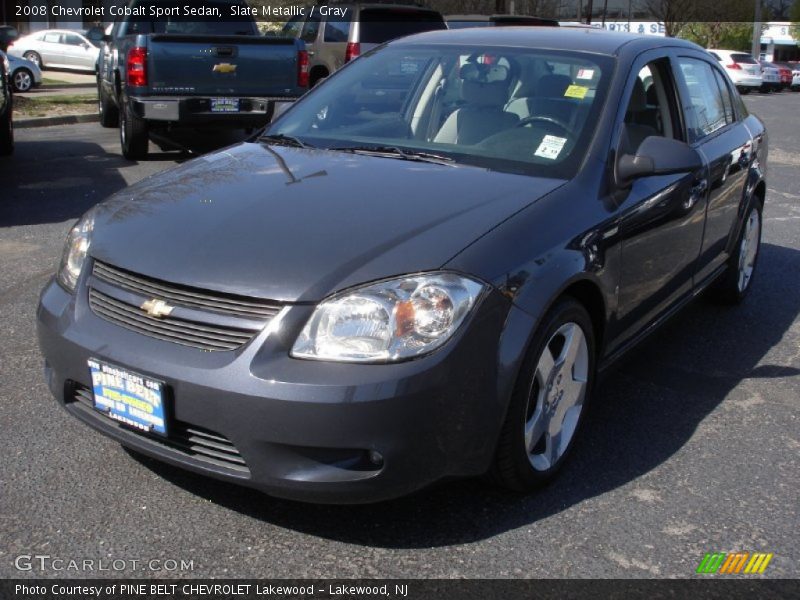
{"type": "Point", "coordinates": [418, 270]}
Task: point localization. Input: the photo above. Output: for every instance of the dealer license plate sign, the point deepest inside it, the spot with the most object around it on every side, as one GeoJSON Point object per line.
{"type": "Point", "coordinates": [129, 398]}
{"type": "Point", "coordinates": [225, 105]}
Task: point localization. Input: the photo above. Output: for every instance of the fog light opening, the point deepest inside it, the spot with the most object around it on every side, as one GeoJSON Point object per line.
{"type": "Point", "coordinates": [376, 458]}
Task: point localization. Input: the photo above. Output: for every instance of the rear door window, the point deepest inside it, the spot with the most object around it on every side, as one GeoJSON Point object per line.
{"type": "Point", "coordinates": [379, 25]}
{"type": "Point", "coordinates": [337, 28]}
{"type": "Point", "coordinates": [310, 29]}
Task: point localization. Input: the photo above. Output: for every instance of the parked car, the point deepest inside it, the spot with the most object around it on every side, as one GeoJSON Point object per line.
{"type": "Point", "coordinates": [6, 108]}
{"type": "Point", "coordinates": [785, 71]}
{"type": "Point", "coordinates": [770, 76]}
{"type": "Point", "coordinates": [796, 78]}
{"type": "Point", "coordinates": [743, 69]}
{"type": "Point", "coordinates": [413, 274]}
{"type": "Point", "coordinates": [464, 21]}
{"type": "Point", "coordinates": [57, 48]}
{"type": "Point", "coordinates": [25, 75]}
{"type": "Point", "coordinates": [353, 29]}
{"type": "Point", "coordinates": [161, 73]}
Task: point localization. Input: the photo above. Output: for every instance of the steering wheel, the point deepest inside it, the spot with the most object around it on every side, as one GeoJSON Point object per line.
{"type": "Point", "coordinates": [546, 119]}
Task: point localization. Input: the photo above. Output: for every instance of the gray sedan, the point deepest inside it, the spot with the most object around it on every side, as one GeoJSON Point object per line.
{"type": "Point", "coordinates": [60, 48]}
{"type": "Point", "coordinates": [25, 75]}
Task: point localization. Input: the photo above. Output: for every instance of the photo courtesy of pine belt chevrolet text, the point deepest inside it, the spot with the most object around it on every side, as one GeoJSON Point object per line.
{"type": "Point", "coordinates": [418, 271]}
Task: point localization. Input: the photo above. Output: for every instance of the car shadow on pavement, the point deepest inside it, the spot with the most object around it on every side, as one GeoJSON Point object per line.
{"type": "Point", "coordinates": [47, 182]}
{"type": "Point", "coordinates": [644, 413]}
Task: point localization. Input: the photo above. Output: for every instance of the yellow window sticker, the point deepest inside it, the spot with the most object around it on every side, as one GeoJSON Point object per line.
{"type": "Point", "coordinates": [576, 91]}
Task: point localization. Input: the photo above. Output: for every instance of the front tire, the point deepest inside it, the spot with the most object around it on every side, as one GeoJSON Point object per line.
{"type": "Point", "coordinates": [550, 400]}
{"type": "Point", "coordinates": [734, 285]}
{"type": "Point", "coordinates": [34, 58]}
{"type": "Point", "coordinates": [133, 134]}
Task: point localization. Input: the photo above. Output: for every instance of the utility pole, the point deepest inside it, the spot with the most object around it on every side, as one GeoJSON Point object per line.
{"type": "Point", "coordinates": [589, 9]}
{"type": "Point", "coordinates": [756, 47]}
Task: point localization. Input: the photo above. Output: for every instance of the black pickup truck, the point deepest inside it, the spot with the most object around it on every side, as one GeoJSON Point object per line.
{"type": "Point", "coordinates": [160, 68]}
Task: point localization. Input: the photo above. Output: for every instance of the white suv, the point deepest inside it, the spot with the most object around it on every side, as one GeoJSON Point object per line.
{"type": "Point", "coordinates": [743, 69]}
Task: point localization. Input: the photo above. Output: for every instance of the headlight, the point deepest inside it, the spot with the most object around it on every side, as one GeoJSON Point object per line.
{"type": "Point", "coordinates": [388, 321]}
{"type": "Point", "coordinates": [75, 251]}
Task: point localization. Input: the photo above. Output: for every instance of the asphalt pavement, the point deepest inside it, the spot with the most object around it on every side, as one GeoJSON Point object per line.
{"type": "Point", "coordinates": [693, 445]}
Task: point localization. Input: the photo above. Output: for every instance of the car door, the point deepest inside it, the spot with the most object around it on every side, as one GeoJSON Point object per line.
{"type": "Point", "coordinates": [52, 49]}
{"type": "Point", "coordinates": [715, 131]}
{"type": "Point", "coordinates": [661, 217]}
{"type": "Point", "coordinates": [75, 52]}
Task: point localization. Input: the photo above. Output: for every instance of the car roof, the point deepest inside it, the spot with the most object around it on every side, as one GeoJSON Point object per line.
{"type": "Point", "coordinates": [597, 41]}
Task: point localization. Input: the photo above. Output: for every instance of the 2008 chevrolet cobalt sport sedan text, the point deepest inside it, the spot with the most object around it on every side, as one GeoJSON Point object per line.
{"type": "Point", "coordinates": [417, 271]}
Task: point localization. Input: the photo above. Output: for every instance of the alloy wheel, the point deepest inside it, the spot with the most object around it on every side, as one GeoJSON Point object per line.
{"type": "Point", "coordinates": [748, 249]}
{"type": "Point", "coordinates": [22, 81]}
{"type": "Point", "coordinates": [556, 397]}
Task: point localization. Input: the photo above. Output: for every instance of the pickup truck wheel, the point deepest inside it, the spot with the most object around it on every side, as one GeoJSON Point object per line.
{"type": "Point", "coordinates": [133, 135]}
{"type": "Point", "coordinates": [733, 286]}
{"type": "Point", "coordinates": [108, 111]}
{"type": "Point", "coordinates": [6, 135]}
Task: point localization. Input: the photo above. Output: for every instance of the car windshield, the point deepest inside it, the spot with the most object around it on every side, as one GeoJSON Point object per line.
{"type": "Point", "coordinates": [744, 59]}
{"type": "Point", "coordinates": [514, 110]}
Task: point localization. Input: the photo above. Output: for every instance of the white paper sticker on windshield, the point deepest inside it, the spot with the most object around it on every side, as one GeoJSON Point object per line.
{"type": "Point", "coordinates": [550, 147]}
{"type": "Point", "coordinates": [585, 74]}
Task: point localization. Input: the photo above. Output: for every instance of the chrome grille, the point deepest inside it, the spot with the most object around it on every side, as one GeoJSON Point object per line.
{"type": "Point", "coordinates": [210, 321]}
{"type": "Point", "coordinates": [185, 296]}
{"type": "Point", "coordinates": [190, 440]}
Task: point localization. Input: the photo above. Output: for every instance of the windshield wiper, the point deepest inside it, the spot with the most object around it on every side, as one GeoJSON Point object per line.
{"type": "Point", "coordinates": [395, 152]}
{"type": "Point", "coordinates": [285, 140]}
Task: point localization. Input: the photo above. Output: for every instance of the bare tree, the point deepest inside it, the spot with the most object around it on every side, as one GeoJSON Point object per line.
{"type": "Point", "coordinates": [673, 13]}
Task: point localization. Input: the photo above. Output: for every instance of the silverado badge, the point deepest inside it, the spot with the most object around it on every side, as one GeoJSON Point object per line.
{"type": "Point", "coordinates": [224, 68]}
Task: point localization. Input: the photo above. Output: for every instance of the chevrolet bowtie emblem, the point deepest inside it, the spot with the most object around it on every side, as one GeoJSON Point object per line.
{"type": "Point", "coordinates": [157, 308]}
{"type": "Point", "coordinates": [224, 68]}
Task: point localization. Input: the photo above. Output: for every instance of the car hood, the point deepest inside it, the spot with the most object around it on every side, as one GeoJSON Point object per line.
{"type": "Point", "coordinates": [298, 224]}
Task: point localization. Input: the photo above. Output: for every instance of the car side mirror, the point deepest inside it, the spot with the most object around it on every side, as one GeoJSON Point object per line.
{"type": "Point", "coordinates": [657, 155]}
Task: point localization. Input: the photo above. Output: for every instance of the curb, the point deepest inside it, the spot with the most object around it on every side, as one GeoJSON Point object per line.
{"type": "Point", "coordinates": [52, 121]}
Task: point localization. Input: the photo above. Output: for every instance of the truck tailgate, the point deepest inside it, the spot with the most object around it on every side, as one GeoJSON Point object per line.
{"type": "Point", "coordinates": [221, 66]}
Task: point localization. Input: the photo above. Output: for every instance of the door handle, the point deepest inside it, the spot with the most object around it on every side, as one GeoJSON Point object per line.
{"type": "Point", "coordinates": [695, 193]}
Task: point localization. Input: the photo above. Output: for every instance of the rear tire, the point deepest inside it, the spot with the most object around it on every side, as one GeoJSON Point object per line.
{"type": "Point", "coordinates": [6, 135]}
{"type": "Point", "coordinates": [133, 134]}
{"type": "Point", "coordinates": [744, 90]}
{"type": "Point", "coordinates": [733, 286]}
{"type": "Point", "coordinates": [107, 110]}
{"type": "Point", "coordinates": [550, 400]}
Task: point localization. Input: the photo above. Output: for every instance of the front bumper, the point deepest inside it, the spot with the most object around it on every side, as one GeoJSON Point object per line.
{"type": "Point", "coordinates": [253, 112]}
{"type": "Point", "coordinates": [304, 430]}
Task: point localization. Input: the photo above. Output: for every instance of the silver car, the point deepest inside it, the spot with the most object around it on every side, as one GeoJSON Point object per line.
{"type": "Point", "coordinates": [61, 48]}
{"type": "Point", "coordinates": [25, 75]}
{"type": "Point", "coordinates": [339, 34]}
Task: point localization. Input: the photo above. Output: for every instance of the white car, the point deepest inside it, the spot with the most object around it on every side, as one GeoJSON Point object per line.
{"type": "Point", "coordinates": [796, 78]}
{"type": "Point", "coordinates": [743, 69]}
{"type": "Point", "coordinates": [771, 77]}
{"type": "Point", "coordinates": [60, 48]}
{"type": "Point", "coordinates": [25, 75]}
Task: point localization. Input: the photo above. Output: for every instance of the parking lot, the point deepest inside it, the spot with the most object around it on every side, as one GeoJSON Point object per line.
{"type": "Point", "coordinates": [693, 445]}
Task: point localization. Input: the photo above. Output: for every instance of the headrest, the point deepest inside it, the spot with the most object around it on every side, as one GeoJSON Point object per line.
{"type": "Point", "coordinates": [553, 86]}
{"type": "Point", "coordinates": [485, 94]}
{"type": "Point", "coordinates": [484, 73]}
